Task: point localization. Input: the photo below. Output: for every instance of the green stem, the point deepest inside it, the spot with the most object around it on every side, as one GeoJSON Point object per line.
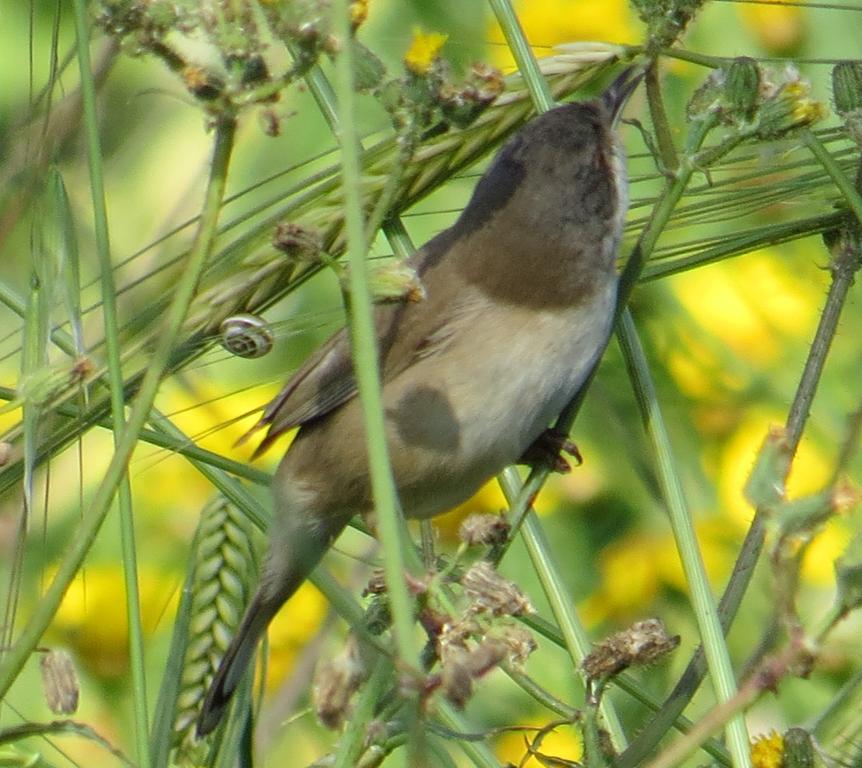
{"type": "Point", "coordinates": [101, 502]}
{"type": "Point", "coordinates": [477, 751]}
{"type": "Point", "coordinates": [663, 134]}
{"type": "Point", "coordinates": [115, 381]}
{"type": "Point", "coordinates": [845, 185]}
{"type": "Point", "coordinates": [353, 739]}
{"type": "Point", "coordinates": [575, 637]}
{"type": "Point", "coordinates": [644, 743]}
{"type": "Point", "coordinates": [718, 658]}
{"type": "Point", "coordinates": [365, 353]}
{"type": "Point", "coordinates": [523, 55]}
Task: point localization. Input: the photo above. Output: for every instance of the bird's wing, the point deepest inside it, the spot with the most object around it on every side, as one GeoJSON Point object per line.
{"type": "Point", "coordinates": [406, 332]}
{"type": "Point", "coordinates": [324, 382]}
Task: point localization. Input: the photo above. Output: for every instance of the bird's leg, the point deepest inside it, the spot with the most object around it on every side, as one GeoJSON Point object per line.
{"type": "Point", "coordinates": [548, 448]}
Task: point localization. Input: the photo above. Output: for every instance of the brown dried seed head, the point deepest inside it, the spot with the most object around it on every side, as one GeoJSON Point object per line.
{"type": "Point", "coordinates": [456, 680]}
{"type": "Point", "coordinates": [642, 643]}
{"type": "Point", "coordinates": [520, 643]}
{"type": "Point", "coordinates": [491, 593]}
{"type": "Point", "coordinates": [60, 682]}
{"type": "Point", "coordinates": [376, 583]}
{"type": "Point", "coordinates": [487, 530]}
{"type": "Point", "coordinates": [460, 667]}
{"type": "Point", "coordinates": [298, 242]}
{"type": "Point", "coordinates": [335, 683]}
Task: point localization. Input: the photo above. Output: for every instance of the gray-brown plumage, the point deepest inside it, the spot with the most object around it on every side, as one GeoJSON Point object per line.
{"type": "Point", "coordinates": [519, 307]}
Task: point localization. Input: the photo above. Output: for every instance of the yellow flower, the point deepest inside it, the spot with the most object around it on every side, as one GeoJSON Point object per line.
{"type": "Point", "coordinates": [634, 569]}
{"type": "Point", "coordinates": [751, 304]}
{"type": "Point", "coordinates": [779, 28]}
{"type": "Point", "coordinates": [291, 629]}
{"type": "Point", "coordinates": [92, 619]}
{"type": "Point", "coordinates": [809, 474]}
{"type": "Point", "coordinates": [767, 751]}
{"type": "Point", "coordinates": [563, 743]}
{"type": "Point", "coordinates": [424, 48]}
{"type": "Point", "coordinates": [358, 12]}
{"type": "Point", "coordinates": [549, 22]}
{"type": "Point", "coordinates": [489, 498]}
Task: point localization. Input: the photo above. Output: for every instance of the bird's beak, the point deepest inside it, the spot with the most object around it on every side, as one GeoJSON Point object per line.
{"type": "Point", "coordinates": [618, 92]}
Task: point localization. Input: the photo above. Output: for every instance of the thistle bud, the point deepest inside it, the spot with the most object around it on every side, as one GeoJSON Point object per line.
{"type": "Point", "coordinates": [765, 484]}
{"type": "Point", "coordinates": [847, 96]}
{"type": "Point", "coordinates": [743, 87]}
{"type": "Point", "coordinates": [847, 87]}
{"type": "Point", "coordinates": [798, 749]}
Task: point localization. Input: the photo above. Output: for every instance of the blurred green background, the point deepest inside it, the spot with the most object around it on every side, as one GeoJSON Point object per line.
{"type": "Point", "coordinates": [726, 342]}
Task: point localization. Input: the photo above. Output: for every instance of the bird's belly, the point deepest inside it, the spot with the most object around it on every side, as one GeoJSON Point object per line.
{"type": "Point", "coordinates": [464, 415]}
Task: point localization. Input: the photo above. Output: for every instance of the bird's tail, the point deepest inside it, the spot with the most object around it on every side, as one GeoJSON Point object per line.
{"type": "Point", "coordinates": [295, 549]}
{"type": "Point", "coordinates": [235, 662]}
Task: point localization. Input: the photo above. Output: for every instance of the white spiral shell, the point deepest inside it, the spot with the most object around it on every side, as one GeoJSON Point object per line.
{"type": "Point", "coordinates": [246, 335]}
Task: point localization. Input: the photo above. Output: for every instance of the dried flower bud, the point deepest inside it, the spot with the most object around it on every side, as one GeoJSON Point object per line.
{"type": "Point", "coordinates": [335, 683]}
{"type": "Point", "coordinates": [520, 642]}
{"type": "Point", "coordinates": [457, 634]}
{"type": "Point", "coordinates": [462, 104]}
{"type": "Point", "coordinates": [59, 682]}
{"type": "Point", "coordinates": [254, 70]}
{"type": "Point", "coordinates": [460, 667]}
{"type": "Point", "coordinates": [666, 20]}
{"type": "Point", "coordinates": [376, 583]}
{"type": "Point", "coordinates": [455, 678]}
{"type": "Point", "coordinates": [487, 80]}
{"type": "Point", "coordinates": [491, 593]}
{"type": "Point", "coordinates": [484, 530]}
{"type": "Point", "coordinates": [298, 242]}
{"type": "Point", "coordinates": [705, 102]}
{"type": "Point", "coordinates": [642, 643]}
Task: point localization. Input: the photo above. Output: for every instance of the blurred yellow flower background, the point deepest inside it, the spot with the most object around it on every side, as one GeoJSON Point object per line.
{"type": "Point", "coordinates": [726, 343]}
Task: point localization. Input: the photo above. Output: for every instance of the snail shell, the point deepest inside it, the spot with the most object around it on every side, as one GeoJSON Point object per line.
{"type": "Point", "coordinates": [246, 335]}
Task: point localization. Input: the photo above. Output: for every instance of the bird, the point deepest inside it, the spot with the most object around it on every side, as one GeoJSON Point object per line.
{"type": "Point", "coordinates": [519, 305]}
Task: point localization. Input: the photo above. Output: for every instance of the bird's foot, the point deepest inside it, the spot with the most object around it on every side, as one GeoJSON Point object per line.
{"type": "Point", "coordinates": [548, 448]}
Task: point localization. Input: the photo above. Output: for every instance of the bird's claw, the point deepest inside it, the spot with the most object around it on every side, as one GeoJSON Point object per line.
{"type": "Point", "coordinates": [549, 447]}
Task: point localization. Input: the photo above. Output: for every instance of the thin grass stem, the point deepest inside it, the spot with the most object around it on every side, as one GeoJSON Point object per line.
{"type": "Point", "coordinates": [366, 363]}
{"type": "Point", "coordinates": [80, 545]}
{"type": "Point", "coordinates": [115, 381]}
{"type": "Point", "coordinates": [712, 636]}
